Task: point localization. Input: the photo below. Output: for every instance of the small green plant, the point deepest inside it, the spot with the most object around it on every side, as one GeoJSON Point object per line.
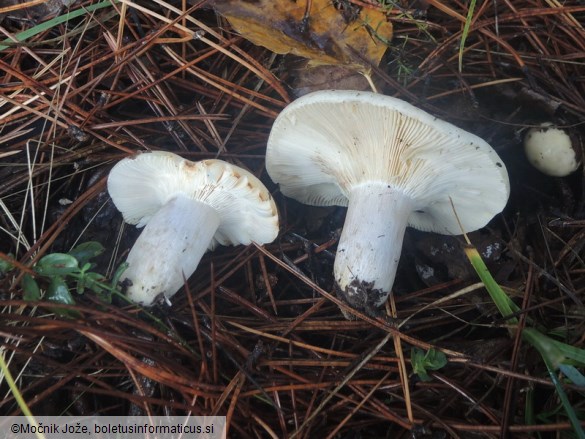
{"type": "Point", "coordinates": [557, 356]}
{"type": "Point", "coordinates": [6, 266]}
{"type": "Point", "coordinates": [423, 361]}
{"type": "Point", "coordinates": [74, 267]}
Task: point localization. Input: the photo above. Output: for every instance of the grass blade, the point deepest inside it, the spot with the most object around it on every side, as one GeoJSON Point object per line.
{"type": "Point", "coordinates": [17, 395]}
{"type": "Point", "coordinates": [500, 298]}
{"type": "Point", "coordinates": [24, 35]}
{"type": "Point", "coordinates": [556, 355]}
{"type": "Point", "coordinates": [465, 32]}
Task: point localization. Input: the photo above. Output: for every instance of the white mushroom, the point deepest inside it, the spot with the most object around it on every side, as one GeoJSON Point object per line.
{"type": "Point", "coordinates": [188, 208]}
{"type": "Point", "coordinates": [393, 165]}
{"type": "Point", "coordinates": [550, 150]}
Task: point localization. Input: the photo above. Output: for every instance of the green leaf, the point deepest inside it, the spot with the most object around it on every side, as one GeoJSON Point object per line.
{"type": "Point", "coordinates": [5, 266]}
{"type": "Point", "coordinates": [435, 359]}
{"type": "Point", "coordinates": [548, 348]}
{"type": "Point", "coordinates": [58, 291]}
{"type": "Point", "coordinates": [573, 418]}
{"type": "Point", "coordinates": [86, 251]}
{"type": "Point", "coordinates": [417, 358]}
{"type": "Point", "coordinates": [86, 267]}
{"type": "Point", "coordinates": [30, 287]}
{"type": "Point", "coordinates": [499, 297]}
{"type": "Point", "coordinates": [573, 354]}
{"type": "Point", "coordinates": [573, 374]}
{"type": "Point", "coordinates": [57, 264]}
{"type": "Point", "coordinates": [118, 274]}
{"type": "Point", "coordinates": [423, 361]}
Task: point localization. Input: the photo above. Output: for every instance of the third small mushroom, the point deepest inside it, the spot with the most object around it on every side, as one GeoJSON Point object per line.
{"type": "Point", "coordinates": [551, 150]}
{"type": "Point", "coordinates": [393, 165]}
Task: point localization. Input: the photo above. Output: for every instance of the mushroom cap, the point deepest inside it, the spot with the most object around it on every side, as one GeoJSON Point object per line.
{"type": "Point", "coordinates": [327, 142]}
{"type": "Point", "coordinates": [550, 150]}
{"type": "Point", "coordinates": [142, 184]}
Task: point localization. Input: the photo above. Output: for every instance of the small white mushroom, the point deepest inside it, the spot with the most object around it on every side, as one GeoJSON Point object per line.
{"type": "Point", "coordinates": [393, 165]}
{"type": "Point", "coordinates": [187, 208]}
{"type": "Point", "coordinates": [550, 150]}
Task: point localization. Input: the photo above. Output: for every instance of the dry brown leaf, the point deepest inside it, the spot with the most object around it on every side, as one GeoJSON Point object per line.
{"type": "Point", "coordinates": [325, 37]}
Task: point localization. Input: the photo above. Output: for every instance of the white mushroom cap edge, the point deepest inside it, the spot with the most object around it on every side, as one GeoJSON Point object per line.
{"type": "Point", "coordinates": [393, 165]}
{"type": "Point", "coordinates": [186, 208]}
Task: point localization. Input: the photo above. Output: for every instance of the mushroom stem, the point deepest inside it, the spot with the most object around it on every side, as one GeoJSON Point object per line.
{"type": "Point", "coordinates": [370, 244]}
{"type": "Point", "coordinates": [169, 248]}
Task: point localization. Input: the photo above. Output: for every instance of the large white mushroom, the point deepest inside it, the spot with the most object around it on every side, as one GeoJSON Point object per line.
{"type": "Point", "coordinates": [393, 165]}
{"type": "Point", "coordinates": [187, 208]}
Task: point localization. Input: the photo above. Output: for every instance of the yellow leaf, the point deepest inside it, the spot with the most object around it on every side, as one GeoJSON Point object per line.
{"type": "Point", "coordinates": [322, 35]}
